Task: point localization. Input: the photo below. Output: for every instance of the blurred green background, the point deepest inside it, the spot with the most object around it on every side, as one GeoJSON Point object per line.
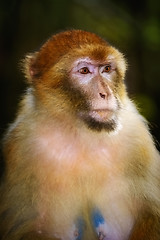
{"type": "Point", "coordinates": [131, 26]}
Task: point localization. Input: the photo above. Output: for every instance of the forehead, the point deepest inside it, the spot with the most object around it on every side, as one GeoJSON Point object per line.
{"type": "Point", "coordinates": [96, 53]}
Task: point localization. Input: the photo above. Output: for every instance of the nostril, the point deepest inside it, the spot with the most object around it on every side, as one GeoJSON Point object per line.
{"type": "Point", "coordinates": [103, 95]}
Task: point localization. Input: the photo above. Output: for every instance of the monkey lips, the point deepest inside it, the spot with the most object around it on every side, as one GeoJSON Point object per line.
{"type": "Point", "coordinates": [99, 119]}
{"type": "Point", "coordinates": [101, 115]}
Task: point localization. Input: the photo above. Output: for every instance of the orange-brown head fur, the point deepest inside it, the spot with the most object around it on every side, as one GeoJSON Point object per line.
{"type": "Point", "coordinates": [59, 45]}
{"type": "Point", "coordinates": [75, 43]}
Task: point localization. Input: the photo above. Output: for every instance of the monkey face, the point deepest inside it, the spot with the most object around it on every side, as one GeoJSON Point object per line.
{"type": "Point", "coordinates": [96, 80]}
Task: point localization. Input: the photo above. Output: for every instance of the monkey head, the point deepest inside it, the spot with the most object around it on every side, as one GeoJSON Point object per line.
{"type": "Point", "coordinates": [85, 75]}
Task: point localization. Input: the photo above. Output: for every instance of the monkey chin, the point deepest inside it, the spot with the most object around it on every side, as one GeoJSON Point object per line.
{"type": "Point", "coordinates": [99, 120]}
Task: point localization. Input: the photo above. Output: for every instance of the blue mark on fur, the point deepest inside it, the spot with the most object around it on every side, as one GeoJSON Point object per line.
{"type": "Point", "coordinates": [80, 225]}
{"type": "Point", "coordinates": [97, 218]}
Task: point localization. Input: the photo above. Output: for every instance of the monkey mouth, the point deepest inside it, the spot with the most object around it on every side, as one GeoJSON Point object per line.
{"type": "Point", "coordinates": [101, 115]}
{"type": "Point", "coordinates": [100, 119]}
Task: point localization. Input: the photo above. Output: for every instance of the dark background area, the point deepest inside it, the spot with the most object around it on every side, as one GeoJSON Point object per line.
{"type": "Point", "coordinates": [133, 27]}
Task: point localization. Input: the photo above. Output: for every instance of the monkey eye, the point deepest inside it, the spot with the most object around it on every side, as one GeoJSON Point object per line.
{"type": "Point", "coordinates": [107, 68]}
{"type": "Point", "coordinates": [84, 70]}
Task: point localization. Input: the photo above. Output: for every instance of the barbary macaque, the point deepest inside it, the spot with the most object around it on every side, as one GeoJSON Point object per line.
{"type": "Point", "coordinates": [80, 161]}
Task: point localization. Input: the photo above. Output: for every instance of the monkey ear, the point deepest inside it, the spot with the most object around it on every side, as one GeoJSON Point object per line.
{"type": "Point", "coordinates": [29, 67]}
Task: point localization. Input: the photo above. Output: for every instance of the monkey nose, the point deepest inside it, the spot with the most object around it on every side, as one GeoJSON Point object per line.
{"type": "Point", "coordinates": [102, 95]}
